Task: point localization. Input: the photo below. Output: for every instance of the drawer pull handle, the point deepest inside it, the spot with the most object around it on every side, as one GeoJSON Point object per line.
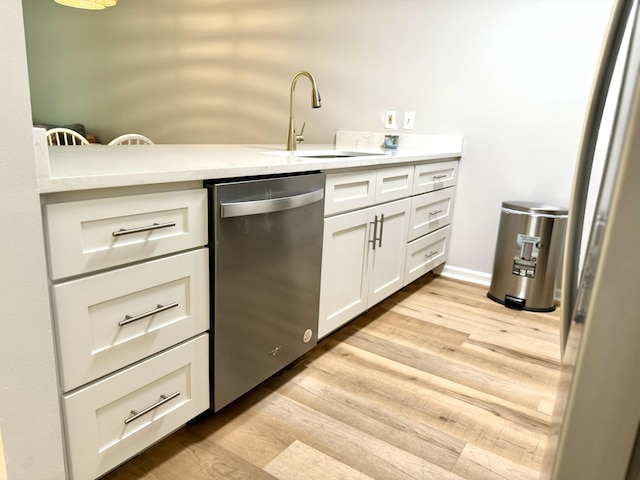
{"type": "Point", "coordinates": [435, 212]}
{"type": "Point", "coordinates": [146, 228]}
{"type": "Point", "coordinates": [438, 177]}
{"type": "Point", "coordinates": [159, 308]}
{"type": "Point", "coordinates": [163, 399]}
{"type": "Point", "coordinates": [430, 254]}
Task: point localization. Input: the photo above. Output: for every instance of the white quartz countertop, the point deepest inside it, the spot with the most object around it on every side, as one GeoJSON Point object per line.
{"type": "Point", "coordinates": [102, 166]}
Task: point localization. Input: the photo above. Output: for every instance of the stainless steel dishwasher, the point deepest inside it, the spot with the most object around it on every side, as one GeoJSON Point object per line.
{"type": "Point", "coordinates": [266, 250]}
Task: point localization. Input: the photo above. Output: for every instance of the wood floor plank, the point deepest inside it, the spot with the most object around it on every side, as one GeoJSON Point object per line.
{"type": "Point", "coordinates": [454, 408]}
{"type": "Point", "coordinates": [480, 464]}
{"type": "Point", "coordinates": [437, 298]}
{"type": "Point", "coordinates": [241, 431]}
{"type": "Point", "coordinates": [460, 373]}
{"type": "Point", "coordinates": [436, 382]}
{"type": "Point", "coordinates": [180, 457]}
{"type": "Point", "coordinates": [355, 407]}
{"type": "Point", "coordinates": [299, 457]}
{"type": "Point", "coordinates": [501, 332]}
{"type": "Point", "coordinates": [350, 446]}
{"type": "Point", "coordinates": [489, 358]}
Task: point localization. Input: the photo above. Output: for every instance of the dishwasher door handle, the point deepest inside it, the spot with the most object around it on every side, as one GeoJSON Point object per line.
{"type": "Point", "coordinates": [255, 207]}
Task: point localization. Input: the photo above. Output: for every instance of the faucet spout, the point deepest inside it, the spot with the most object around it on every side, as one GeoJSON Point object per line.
{"type": "Point", "coordinates": [292, 138]}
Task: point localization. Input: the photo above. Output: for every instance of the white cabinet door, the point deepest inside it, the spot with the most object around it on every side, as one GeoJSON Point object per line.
{"type": "Point", "coordinates": [343, 288]}
{"type": "Point", "coordinates": [355, 275]}
{"type": "Point", "coordinates": [388, 251]}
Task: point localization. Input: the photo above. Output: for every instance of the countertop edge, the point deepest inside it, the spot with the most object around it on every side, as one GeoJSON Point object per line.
{"type": "Point", "coordinates": [203, 168]}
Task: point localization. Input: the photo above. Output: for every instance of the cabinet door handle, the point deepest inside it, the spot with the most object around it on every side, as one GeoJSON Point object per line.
{"type": "Point", "coordinates": [381, 225]}
{"type": "Point", "coordinates": [146, 228]}
{"type": "Point", "coordinates": [163, 399]}
{"type": "Point", "coordinates": [159, 308]}
{"type": "Point", "coordinates": [375, 232]}
{"type": "Point", "coordinates": [435, 212]}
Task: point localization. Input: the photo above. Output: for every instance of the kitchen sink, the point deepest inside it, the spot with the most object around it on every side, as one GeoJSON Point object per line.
{"type": "Point", "coordinates": [320, 154]}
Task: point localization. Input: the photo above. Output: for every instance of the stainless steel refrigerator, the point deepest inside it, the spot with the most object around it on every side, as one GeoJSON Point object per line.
{"type": "Point", "coordinates": [594, 433]}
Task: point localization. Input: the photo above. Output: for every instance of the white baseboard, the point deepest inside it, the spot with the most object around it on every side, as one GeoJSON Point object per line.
{"type": "Point", "coordinates": [466, 275]}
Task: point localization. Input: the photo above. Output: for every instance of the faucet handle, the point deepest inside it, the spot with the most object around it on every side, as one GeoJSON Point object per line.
{"type": "Point", "coordinates": [299, 137]}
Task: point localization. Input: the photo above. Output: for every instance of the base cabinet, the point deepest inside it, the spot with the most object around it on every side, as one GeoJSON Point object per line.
{"type": "Point", "coordinates": [363, 261]}
{"type": "Point", "coordinates": [129, 278]}
{"type": "Point", "coordinates": [383, 229]}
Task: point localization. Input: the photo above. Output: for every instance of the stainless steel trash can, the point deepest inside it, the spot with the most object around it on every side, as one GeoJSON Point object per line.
{"type": "Point", "coordinates": [528, 252]}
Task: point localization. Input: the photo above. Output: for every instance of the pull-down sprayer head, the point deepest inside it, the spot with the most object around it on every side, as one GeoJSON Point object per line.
{"type": "Point", "coordinates": [315, 96]}
{"type": "Point", "coordinates": [292, 138]}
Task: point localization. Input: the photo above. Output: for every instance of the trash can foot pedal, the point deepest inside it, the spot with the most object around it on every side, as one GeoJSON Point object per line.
{"type": "Point", "coordinates": [515, 303]}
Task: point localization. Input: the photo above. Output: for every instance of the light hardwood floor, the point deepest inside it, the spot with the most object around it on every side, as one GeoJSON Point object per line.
{"type": "Point", "coordinates": [436, 382]}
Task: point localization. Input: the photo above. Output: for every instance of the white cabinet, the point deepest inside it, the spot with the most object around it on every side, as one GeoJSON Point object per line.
{"type": "Point", "coordinates": [370, 215]}
{"type": "Point", "coordinates": [363, 261]}
{"type": "Point", "coordinates": [130, 301]}
{"type": "Point", "coordinates": [431, 211]}
{"type": "Point", "coordinates": [107, 421]}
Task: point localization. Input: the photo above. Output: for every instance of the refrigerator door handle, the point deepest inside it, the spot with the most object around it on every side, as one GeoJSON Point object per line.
{"type": "Point", "coordinates": [606, 63]}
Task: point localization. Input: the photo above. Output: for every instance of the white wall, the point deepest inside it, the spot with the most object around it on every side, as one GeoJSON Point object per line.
{"type": "Point", "coordinates": [512, 76]}
{"type": "Point", "coordinates": [29, 412]}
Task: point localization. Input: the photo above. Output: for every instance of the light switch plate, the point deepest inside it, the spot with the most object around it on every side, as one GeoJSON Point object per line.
{"type": "Point", "coordinates": [409, 120]}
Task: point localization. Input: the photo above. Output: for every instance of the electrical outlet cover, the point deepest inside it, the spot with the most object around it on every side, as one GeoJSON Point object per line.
{"type": "Point", "coordinates": [390, 119]}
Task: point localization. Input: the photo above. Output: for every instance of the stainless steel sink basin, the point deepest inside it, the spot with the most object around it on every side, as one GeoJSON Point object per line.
{"type": "Point", "coordinates": [320, 154]}
{"type": "Point", "coordinates": [333, 154]}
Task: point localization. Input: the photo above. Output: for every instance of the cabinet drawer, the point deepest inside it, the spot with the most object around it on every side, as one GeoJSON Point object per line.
{"type": "Point", "coordinates": [100, 431]}
{"type": "Point", "coordinates": [393, 183]}
{"type": "Point", "coordinates": [426, 253]}
{"type": "Point", "coordinates": [434, 176]}
{"type": "Point", "coordinates": [90, 235]}
{"type": "Point", "coordinates": [106, 321]}
{"type": "Point", "coordinates": [348, 191]}
{"type": "Point", "coordinates": [430, 211]}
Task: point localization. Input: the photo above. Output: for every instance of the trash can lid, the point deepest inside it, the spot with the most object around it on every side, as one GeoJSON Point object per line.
{"type": "Point", "coordinates": [535, 208]}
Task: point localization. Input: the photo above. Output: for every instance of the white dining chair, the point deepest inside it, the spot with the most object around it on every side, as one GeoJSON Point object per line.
{"type": "Point", "coordinates": [60, 136]}
{"type": "Point", "coordinates": [131, 139]}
